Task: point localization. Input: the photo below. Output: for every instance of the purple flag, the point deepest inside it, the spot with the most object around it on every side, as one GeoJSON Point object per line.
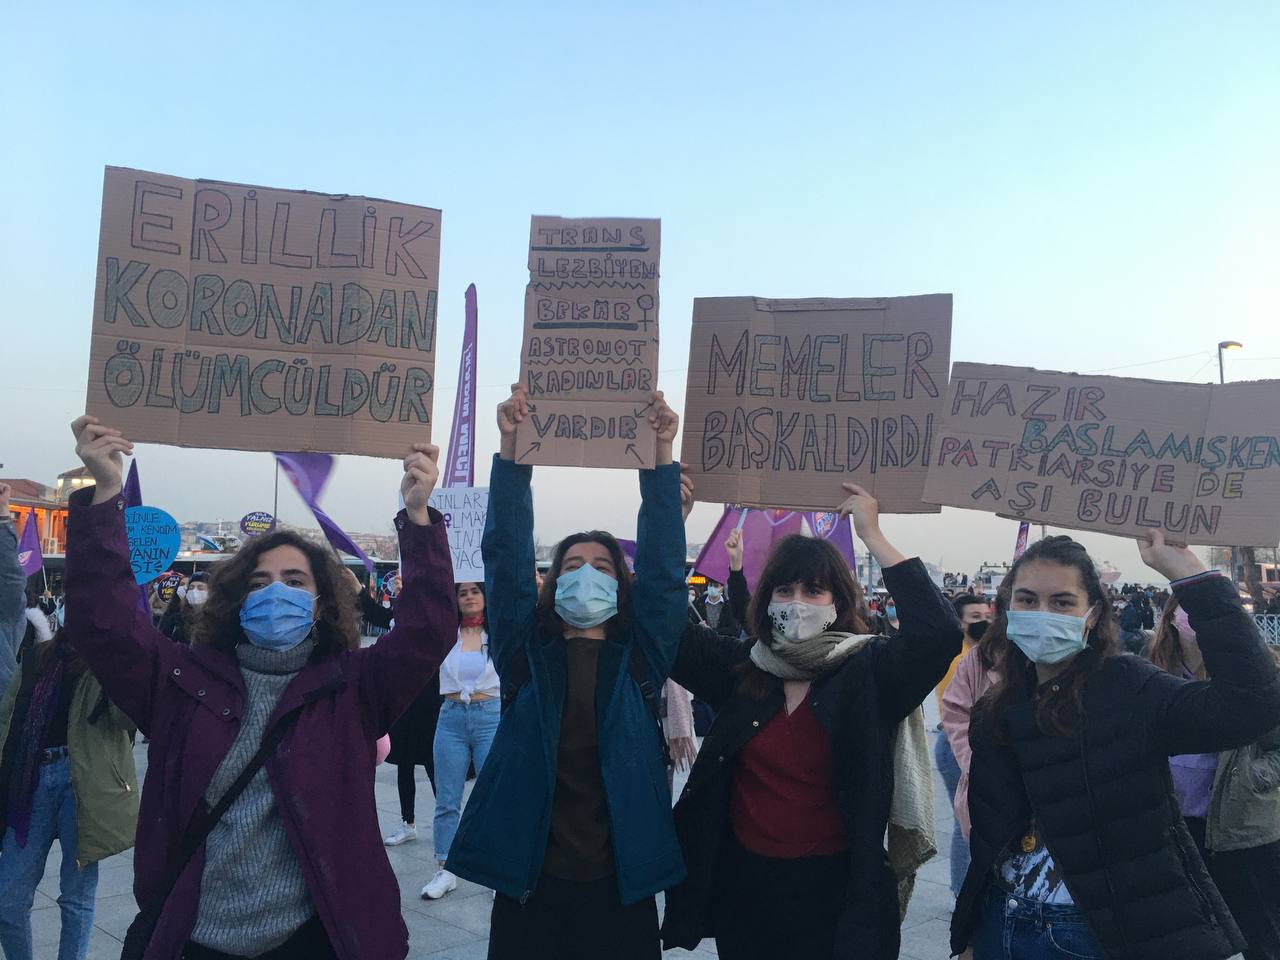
{"type": "Point", "coordinates": [29, 556]}
{"type": "Point", "coordinates": [460, 467]}
{"type": "Point", "coordinates": [1020, 545]}
{"type": "Point", "coordinates": [628, 553]}
{"type": "Point", "coordinates": [838, 530]}
{"type": "Point", "coordinates": [133, 498]}
{"type": "Point", "coordinates": [759, 529]}
{"type": "Point", "coordinates": [309, 472]}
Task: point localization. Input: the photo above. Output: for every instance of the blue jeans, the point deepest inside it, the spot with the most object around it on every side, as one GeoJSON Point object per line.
{"type": "Point", "coordinates": [945, 758]}
{"type": "Point", "coordinates": [53, 814]}
{"type": "Point", "coordinates": [464, 733]}
{"type": "Point", "coordinates": [1014, 928]}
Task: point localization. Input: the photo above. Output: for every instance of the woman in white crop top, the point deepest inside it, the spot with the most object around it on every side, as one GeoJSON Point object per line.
{"type": "Point", "coordinates": [468, 721]}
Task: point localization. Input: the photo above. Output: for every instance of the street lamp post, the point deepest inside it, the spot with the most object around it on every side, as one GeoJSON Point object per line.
{"type": "Point", "coordinates": [1226, 345]}
{"type": "Point", "coordinates": [1222, 378]}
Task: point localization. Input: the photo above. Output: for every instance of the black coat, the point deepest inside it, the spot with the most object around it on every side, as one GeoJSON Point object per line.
{"type": "Point", "coordinates": [860, 706]}
{"type": "Point", "coordinates": [1104, 798]}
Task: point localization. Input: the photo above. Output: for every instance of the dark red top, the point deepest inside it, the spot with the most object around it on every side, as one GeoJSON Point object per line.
{"type": "Point", "coordinates": [782, 803]}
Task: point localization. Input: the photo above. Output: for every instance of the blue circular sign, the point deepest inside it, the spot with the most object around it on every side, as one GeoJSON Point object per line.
{"type": "Point", "coordinates": [154, 538]}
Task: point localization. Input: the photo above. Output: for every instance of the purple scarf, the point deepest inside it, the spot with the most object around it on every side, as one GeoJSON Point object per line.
{"type": "Point", "coordinates": [26, 764]}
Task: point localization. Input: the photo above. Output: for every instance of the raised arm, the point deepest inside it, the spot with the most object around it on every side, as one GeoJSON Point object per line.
{"type": "Point", "coordinates": [13, 584]}
{"type": "Point", "coordinates": [104, 620]}
{"type": "Point", "coordinates": [660, 596]}
{"type": "Point", "coordinates": [705, 661]}
{"type": "Point", "coordinates": [1241, 701]}
{"type": "Point", "coordinates": [511, 595]}
{"type": "Point", "coordinates": [929, 636]}
{"type": "Point", "coordinates": [738, 589]}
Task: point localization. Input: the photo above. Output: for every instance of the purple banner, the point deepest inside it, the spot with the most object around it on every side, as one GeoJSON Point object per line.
{"type": "Point", "coordinates": [759, 529]}
{"type": "Point", "coordinates": [838, 530]}
{"type": "Point", "coordinates": [460, 467]}
{"type": "Point", "coordinates": [309, 472]}
{"type": "Point", "coordinates": [1020, 545]}
{"type": "Point", "coordinates": [133, 498]}
{"type": "Point", "coordinates": [628, 553]}
{"type": "Point", "coordinates": [29, 556]}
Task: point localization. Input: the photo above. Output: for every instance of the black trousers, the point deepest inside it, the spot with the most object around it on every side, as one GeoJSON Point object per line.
{"type": "Point", "coordinates": [1249, 881]}
{"type": "Point", "coordinates": [408, 788]}
{"type": "Point", "coordinates": [770, 909]}
{"type": "Point", "coordinates": [568, 920]}
{"type": "Point", "coordinates": [309, 942]}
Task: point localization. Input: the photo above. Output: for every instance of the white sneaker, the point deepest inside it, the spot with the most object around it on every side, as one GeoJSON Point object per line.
{"type": "Point", "coordinates": [406, 833]}
{"type": "Point", "coordinates": [442, 883]}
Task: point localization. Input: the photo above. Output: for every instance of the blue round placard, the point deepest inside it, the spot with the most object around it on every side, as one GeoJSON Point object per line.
{"type": "Point", "coordinates": [154, 538]}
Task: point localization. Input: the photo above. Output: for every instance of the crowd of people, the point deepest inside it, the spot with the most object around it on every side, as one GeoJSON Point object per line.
{"type": "Point", "coordinates": [1113, 760]}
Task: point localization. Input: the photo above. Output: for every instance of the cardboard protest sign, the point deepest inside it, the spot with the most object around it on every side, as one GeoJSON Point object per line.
{"type": "Point", "coordinates": [259, 319]}
{"type": "Point", "coordinates": [787, 399]}
{"type": "Point", "coordinates": [590, 354]}
{"type": "Point", "coordinates": [1113, 454]}
{"type": "Point", "coordinates": [154, 538]}
{"type": "Point", "coordinates": [464, 510]}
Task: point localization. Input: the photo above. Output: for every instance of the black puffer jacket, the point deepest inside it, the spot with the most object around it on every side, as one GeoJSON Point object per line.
{"type": "Point", "coordinates": [860, 706]}
{"type": "Point", "coordinates": [1104, 798]}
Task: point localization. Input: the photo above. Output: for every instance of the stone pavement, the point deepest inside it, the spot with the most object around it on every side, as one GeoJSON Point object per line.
{"type": "Point", "coordinates": [456, 927]}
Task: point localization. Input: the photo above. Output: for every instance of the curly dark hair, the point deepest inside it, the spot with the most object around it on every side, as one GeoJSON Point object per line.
{"type": "Point", "coordinates": [337, 626]}
{"type": "Point", "coordinates": [1060, 708]}
{"type": "Point", "coordinates": [548, 619]}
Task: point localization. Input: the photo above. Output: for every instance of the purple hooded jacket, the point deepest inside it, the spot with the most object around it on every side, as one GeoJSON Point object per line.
{"type": "Point", "coordinates": [189, 701]}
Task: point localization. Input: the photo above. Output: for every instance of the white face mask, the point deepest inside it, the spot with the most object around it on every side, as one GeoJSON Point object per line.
{"type": "Point", "coordinates": [197, 595]}
{"type": "Point", "coordinates": [799, 621]}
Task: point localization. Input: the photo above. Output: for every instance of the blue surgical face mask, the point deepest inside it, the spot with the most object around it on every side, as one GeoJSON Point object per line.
{"type": "Point", "coordinates": [891, 612]}
{"type": "Point", "coordinates": [278, 617]}
{"type": "Point", "coordinates": [713, 593]}
{"type": "Point", "coordinates": [1046, 637]}
{"type": "Point", "coordinates": [586, 597]}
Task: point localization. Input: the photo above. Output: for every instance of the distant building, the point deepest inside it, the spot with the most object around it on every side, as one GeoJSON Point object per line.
{"type": "Point", "coordinates": [31, 499]}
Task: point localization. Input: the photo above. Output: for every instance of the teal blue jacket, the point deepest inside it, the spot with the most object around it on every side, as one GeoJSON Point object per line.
{"type": "Point", "coordinates": [503, 835]}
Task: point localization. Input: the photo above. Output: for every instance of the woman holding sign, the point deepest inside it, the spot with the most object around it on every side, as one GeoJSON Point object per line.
{"type": "Point", "coordinates": [570, 819]}
{"type": "Point", "coordinates": [818, 747]}
{"type": "Point", "coordinates": [1078, 848]}
{"type": "Point", "coordinates": [258, 832]}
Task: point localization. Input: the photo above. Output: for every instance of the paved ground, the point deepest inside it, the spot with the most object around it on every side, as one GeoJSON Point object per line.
{"type": "Point", "coordinates": [456, 928]}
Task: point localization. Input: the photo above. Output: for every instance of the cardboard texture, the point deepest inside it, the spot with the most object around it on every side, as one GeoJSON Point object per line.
{"type": "Point", "coordinates": [1114, 454]}
{"type": "Point", "coordinates": [787, 399]}
{"type": "Point", "coordinates": [590, 354]}
{"type": "Point", "coordinates": [251, 318]}
{"type": "Point", "coordinates": [464, 510]}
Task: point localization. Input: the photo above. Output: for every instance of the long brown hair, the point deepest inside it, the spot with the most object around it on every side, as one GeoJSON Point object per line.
{"type": "Point", "coordinates": [547, 616]}
{"type": "Point", "coordinates": [818, 565]}
{"type": "Point", "coordinates": [1165, 649]}
{"type": "Point", "coordinates": [336, 626]}
{"type": "Point", "coordinates": [1059, 708]}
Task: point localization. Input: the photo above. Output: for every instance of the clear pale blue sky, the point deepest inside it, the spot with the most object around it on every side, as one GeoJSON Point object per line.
{"type": "Point", "coordinates": [1095, 183]}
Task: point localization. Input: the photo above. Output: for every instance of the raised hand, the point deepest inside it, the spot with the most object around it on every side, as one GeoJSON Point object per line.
{"type": "Point", "coordinates": [686, 492]}
{"type": "Point", "coordinates": [1168, 560]}
{"type": "Point", "coordinates": [865, 511]}
{"type": "Point", "coordinates": [511, 412]}
{"type": "Point", "coordinates": [666, 422]}
{"type": "Point", "coordinates": [102, 450]}
{"type": "Point", "coordinates": [421, 471]}
{"type": "Point", "coordinates": [733, 547]}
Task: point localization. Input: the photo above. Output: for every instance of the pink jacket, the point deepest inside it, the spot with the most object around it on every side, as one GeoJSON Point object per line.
{"type": "Point", "coordinates": [967, 686]}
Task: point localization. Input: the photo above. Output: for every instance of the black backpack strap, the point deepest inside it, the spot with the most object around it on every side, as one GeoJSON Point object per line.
{"type": "Point", "coordinates": [202, 823]}
{"type": "Point", "coordinates": [638, 667]}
